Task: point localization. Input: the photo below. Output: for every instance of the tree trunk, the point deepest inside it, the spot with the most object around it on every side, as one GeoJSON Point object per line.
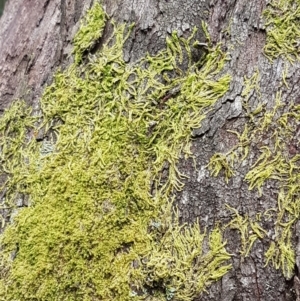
{"type": "Point", "coordinates": [36, 40]}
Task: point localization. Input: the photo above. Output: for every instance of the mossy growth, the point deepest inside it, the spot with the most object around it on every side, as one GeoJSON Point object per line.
{"type": "Point", "coordinates": [249, 229]}
{"type": "Point", "coordinates": [99, 223]}
{"type": "Point", "coordinates": [228, 162]}
{"type": "Point", "coordinates": [219, 162]}
{"type": "Point", "coordinates": [16, 129]}
{"type": "Point", "coordinates": [277, 161]}
{"type": "Point", "coordinates": [90, 31]}
{"type": "Point", "coordinates": [283, 30]}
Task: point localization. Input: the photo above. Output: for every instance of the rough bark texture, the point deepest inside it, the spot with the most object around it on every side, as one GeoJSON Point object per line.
{"type": "Point", "coordinates": [35, 40]}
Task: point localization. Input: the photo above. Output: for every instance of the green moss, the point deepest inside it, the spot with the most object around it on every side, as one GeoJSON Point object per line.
{"type": "Point", "coordinates": [219, 162]}
{"type": "Point", "coordinates": [283, 31]}
{"type": "Point", "coordinates": [90, 31]}
{"type": "Point", "coordinates": [16, 131]}
{"type": "Point", "coordinates": [249, 229]}
{"type": "Point", "coordinates": [276, 126]}
{"type": "Point", "coordinates": [180, 264]}
{"type": "Point", "coordinates": [99, 225]}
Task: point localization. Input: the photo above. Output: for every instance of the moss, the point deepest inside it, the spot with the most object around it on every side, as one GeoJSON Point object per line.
{"type": "Point", "coordinates": [283, 31]}
{"type": "Point", "coordinates": [219, 162]}
{"type": "Point", "coordinates": [276, 126]}
{"type": "Point", "coordinates": [90, 31]}
{"type": "Point", "coordinates": [249, 229]}
{"type": "Point", "coordinates": [99, 225]}
{"type": "Point", "coordinates": [16, 131]}
{"type": "Point", "coordinates": [180, 264]}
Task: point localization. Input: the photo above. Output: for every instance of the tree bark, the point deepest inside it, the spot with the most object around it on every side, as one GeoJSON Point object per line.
{"type": "Point", "coordinates": [36, 40]}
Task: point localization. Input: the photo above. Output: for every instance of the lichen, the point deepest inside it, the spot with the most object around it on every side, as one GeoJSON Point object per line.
{"type": "Point", "coordinates": [99, 223]}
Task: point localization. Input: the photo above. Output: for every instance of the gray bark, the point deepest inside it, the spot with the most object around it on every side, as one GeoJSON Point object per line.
{"type": "Point", "coordinates": [35, 40]}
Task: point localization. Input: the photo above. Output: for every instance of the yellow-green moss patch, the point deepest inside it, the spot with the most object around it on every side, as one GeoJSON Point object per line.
{"type": "Point", "coordinates": [99, 224]}
{"type": "Point", "coordinates": [90, 31]}
{"type": "Point", "coordinates": [283, 29]}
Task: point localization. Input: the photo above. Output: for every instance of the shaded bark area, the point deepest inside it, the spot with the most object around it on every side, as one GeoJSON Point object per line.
{"type": "Point", "coordinates": [35, 40]}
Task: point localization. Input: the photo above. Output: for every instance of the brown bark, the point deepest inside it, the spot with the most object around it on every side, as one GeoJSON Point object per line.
{"type": "Point", "coordinates": [35, 40]}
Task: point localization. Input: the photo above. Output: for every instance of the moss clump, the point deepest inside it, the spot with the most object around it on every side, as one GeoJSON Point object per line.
{"type": "Point", "coordinates": [283, 30]}
{"type": "Point", "coordinates": [15, 126]}
{"type": "Point", "coordinates": [16, 130]}
{"type": "Point", "coordinates": [100, 225]}
{"type": "Point", "coordinates": [179, 263]}
{"type": "Point", "coordinates": [90, 31]}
